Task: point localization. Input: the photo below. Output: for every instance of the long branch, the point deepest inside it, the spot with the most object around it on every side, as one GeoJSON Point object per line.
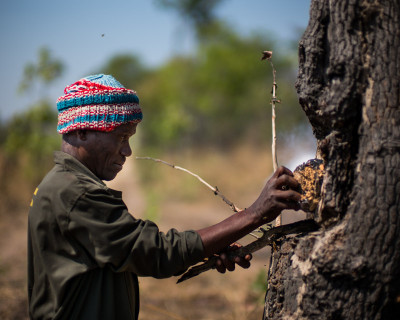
{"type": "Point", "coordinates": [278, 220]}
{"type": "Point", "coordinates": [267, 238]}
{"type": "Point", "coordinates": [267, 55]}
{"type": "Point", "coordinates": [274, 155]}
{"type": "Point", "coordinates": [214, 189]}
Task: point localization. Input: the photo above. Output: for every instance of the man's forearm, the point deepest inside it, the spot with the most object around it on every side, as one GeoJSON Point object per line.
{"type": "Point", "coordinates": [219, 236]}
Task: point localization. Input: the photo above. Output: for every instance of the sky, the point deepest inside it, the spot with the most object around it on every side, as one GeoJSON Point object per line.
{"type": "Point", "coordinates": [85, 34]}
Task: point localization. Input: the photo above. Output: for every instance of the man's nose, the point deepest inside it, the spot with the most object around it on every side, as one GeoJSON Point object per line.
{"type": "Point", "coordinates": [126, 150]}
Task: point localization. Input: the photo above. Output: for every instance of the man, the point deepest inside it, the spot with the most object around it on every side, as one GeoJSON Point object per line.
{"type": "Point", "coordinates": [85, 251]}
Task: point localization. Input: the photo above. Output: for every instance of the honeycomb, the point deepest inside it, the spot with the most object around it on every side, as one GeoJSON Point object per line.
{"type": "Point", "coordinates": [310, 175]}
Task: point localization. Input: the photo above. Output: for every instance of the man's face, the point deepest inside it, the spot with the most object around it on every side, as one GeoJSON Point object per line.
{"type": "Point", "coordinates": [106, 152]}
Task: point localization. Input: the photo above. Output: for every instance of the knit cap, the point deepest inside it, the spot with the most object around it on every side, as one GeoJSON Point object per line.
{"type": "Point", "coordinates": [98, 102]}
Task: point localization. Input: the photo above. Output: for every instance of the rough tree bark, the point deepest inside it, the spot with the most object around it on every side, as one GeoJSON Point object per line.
{"type": "Point", "coordinates": [349, 87]}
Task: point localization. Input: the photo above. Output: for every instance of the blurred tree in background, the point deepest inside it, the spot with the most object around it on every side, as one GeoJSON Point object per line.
{"type": "Point", "coordinates": [199, 14]}
{"type": "Point", "coordinates": [128, 67]}
{"type": "Point", "coordinates": [29, 138]}
{"type": "Point", "coordinates": [45, 70]}
{"type": "Point", "coordinates": [217, 96]}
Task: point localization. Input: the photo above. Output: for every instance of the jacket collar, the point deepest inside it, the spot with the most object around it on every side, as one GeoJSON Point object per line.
{"type": "Point", "coordinates": [73, 164]}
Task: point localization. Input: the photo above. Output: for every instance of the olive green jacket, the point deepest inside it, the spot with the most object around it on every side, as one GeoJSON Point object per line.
{"type": "Point", "coordinates": [85, 250]}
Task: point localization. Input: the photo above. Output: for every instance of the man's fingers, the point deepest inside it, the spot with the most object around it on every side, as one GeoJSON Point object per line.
{"type": "Point", "coordinates": [288, 199]}
{"type": "Point", "coordinates": [243, 262]}
{"type": "Point", "coordinates": [288, 195]}
{"type": "Point", "coordinates": [228, 263]}
{"type": "Point", "coordinates": [224, 262]}
{"type": "Point", "coordinates": [285, 182]}
{"type": "Point", "coordinates": [220, 266]}
{"type": "Point", "coordinates": [283, 170]}
{"type": "Point", "coordinates": [234, 246]}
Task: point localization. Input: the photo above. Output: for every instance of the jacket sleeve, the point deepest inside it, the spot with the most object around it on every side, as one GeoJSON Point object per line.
{"type": "Point", "coordinates": [105, 234]}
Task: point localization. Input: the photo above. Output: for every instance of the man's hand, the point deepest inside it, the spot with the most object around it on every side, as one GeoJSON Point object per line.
{"type": "Point", "coordinates": [278, 194]}
{"type": "Point", "coordinates": [225, 263]}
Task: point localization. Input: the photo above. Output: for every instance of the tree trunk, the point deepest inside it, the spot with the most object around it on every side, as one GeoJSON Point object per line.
{"type": "Point", "coordinates": [349, 88]}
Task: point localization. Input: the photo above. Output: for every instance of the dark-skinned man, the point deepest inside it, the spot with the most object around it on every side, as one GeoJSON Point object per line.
{"type": "Point", "coordinates": [85, 250]}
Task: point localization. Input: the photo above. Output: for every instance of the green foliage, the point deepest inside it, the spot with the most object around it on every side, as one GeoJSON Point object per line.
{"type": "Point", "coordinates": [219, 96]}
{"type": "Point", "coordinates": [165, 100]}
{"type": "Point", "coordinates": [153, 206]}
{"type": "Point", "coordinates": [46, 70]}
{"type": "Point", "coordinates": [30, 139]}
{"type": "Point", "coordinates": [260, 281]}
{"type": "Point", "coordinates": [26, 146]}
{"type": "Point", "coordinates": [259, 285]}
{"type": "Point", "coordinates": [198, 13]}
{"type": "Point", "coordinates": [127, 68]}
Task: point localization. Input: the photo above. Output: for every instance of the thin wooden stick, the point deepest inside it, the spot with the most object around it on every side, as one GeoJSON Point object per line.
{"type": "Point", "coordinates": [267, 55]}
{"type": "Point", "coordinates": [214, 189]}
{"type": "Point", "coordinates": [274, 155]}
{"type": "Point", "coordinates": [267, 238]}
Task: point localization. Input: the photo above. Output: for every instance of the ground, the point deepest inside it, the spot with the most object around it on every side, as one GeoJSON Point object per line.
{"type": "Point", "coordinates": [183, 205]}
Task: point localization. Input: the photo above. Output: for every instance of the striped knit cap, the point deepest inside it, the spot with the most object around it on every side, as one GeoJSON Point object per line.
{"type": "Point", "coordinates": [97, 102]}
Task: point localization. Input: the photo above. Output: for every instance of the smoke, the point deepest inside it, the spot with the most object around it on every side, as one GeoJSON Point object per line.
{"type": "Point", "coordinates": [296, 147]}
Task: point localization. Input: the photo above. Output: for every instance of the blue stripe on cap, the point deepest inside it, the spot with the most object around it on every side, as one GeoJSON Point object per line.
{"type": "Point", "coordinates": [97, 99]}
{"type": "Point", "coordinates": [96, 118]}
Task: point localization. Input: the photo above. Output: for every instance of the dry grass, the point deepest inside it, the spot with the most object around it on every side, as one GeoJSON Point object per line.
{"type": "Point", "coordinates": [13, 293]}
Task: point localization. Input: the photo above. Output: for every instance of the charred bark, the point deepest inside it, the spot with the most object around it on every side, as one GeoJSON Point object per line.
{"type": "Point", "coordinates": [349, 88]}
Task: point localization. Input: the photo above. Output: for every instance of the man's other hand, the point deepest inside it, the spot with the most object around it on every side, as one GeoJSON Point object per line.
{"type": "Point", "coordinates": [225, 263]}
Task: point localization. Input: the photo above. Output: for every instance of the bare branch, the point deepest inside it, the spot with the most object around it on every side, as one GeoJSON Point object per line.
{"type": "Point", "coordinates": [267, 55]}
{"type": "Point", "coordinates": [214, 189]}
{"type": "Point", "coordinates": [273, 101]}
{"type": "Point", "coordinates": [267, 238]}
